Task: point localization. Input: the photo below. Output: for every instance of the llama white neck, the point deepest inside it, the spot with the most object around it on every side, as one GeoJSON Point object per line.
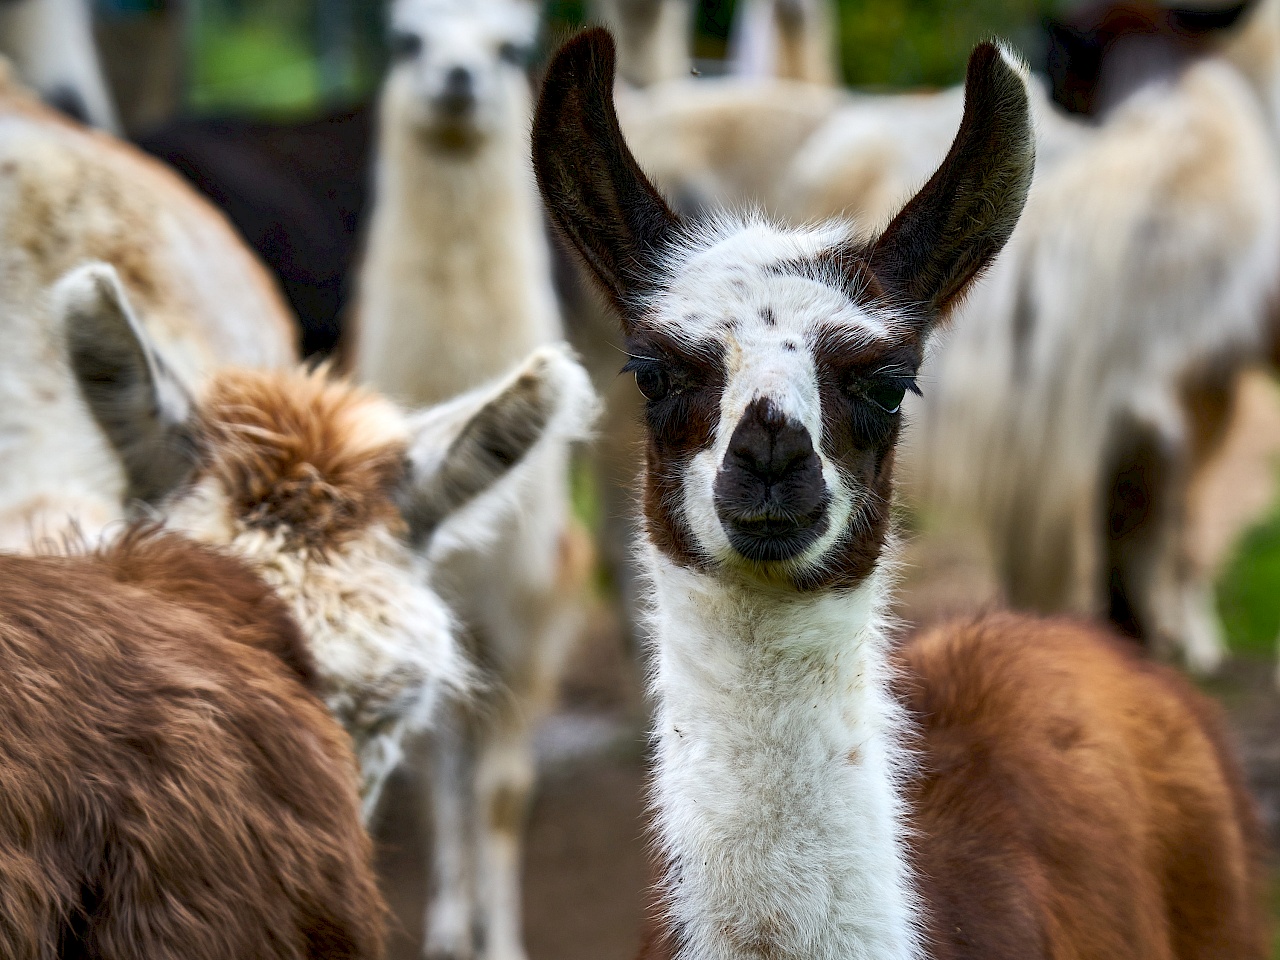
{"type": "Point", "coordinates": [778, 767]}
{"type": "Point", "coordinates": [456, 286]}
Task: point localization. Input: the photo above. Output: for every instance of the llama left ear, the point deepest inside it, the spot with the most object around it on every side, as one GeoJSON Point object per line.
{"type": "Point", "coordinates": [460, 449]}
{"type": "Point", "coordinates": [593, 188]}
{"type": "Point", "coordinates": [954, 227]}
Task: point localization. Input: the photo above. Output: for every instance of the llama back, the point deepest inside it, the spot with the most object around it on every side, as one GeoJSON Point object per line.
{"type": "Point", "coordinates": [1055, 737]}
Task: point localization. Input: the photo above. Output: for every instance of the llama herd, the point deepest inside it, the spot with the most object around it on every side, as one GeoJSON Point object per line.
{"type": "Point", "coordinates": [238, 592]}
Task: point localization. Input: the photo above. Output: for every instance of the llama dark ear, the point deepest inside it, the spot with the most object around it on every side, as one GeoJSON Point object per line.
{"type": "Point", "coordinates": [954, 227]}
{"type": "Point", "coordinates": [462, 448]}
{"type": "Point", "coordinates": [594, 190]}
{"type": "Point", "coordinates": [140, 405]}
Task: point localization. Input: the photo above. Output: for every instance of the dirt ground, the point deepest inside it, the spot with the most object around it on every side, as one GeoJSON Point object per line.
{"type": "Point", "coordinates": [586, 870]}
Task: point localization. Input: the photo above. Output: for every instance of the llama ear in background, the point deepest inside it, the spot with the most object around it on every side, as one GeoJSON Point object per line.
{"type": "Point", "coordinates": [594, 190]}
{"type": "Point", "coordinates": [465, 447]}
{"type": "Point", "coordinates": [951, 230]}
{"type": "Point", "coordinates": [135, 398]}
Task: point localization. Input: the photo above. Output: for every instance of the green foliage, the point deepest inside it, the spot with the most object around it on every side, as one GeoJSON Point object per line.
{"type": "Point", "coordinates": [913, 43]}
{"type": "Point", "coordinates": [256, 65]}
{"type": "Point", "coordinates": [1249, 590]}
{"type": "Point", "coordinates": [283, 57]}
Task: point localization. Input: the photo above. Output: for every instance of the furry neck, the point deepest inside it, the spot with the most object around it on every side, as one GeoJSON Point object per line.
{"type": "Point", "coordinates": [456, 286]}
{"type": "Point", "coordinates": [778, 767]}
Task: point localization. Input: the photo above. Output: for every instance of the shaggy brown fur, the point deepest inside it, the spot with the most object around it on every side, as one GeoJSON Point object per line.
{"type": "Point", "coordinates": [169, 787]}
{"type": "Point", "coordinates": [294, 451]}
{"type": "Point", "coordinates": [1073, 800]}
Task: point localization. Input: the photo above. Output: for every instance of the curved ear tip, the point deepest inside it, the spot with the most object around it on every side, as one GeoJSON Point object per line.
{"type": "Point", "coordinates": [995, 62]}
{"type": "Point", "coordinates": [86, 287]}
{"type": "Point", "coordinates": [562, 376]}
{"type": "Point", "coordinates": [592, 48]}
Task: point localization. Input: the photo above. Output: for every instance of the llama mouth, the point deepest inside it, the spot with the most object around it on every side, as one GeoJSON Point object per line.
{"type": "Point", "coordinates": [773, 535]}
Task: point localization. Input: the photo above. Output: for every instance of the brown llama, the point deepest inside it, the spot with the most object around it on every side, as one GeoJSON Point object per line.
{"type": "Point", "coordinates": [1002, 788]}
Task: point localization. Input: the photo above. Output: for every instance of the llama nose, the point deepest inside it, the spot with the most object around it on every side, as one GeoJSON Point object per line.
{"type": "Point", "coordinates": [768, 444]}
{"type": "Point", "coordinates": [770, 495]}
{"type": "Point", "coordinates": [459, 90]}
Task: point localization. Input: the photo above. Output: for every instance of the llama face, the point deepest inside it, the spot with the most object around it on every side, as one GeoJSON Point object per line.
{"type": "Point", "coordinates": [773, 387]}
{"type": "Point", "coordinates": [458, 66]}
{"type": "Point", "coordinates": [774, 361]}
{"type": "Point", "coordinates": [330, 492]}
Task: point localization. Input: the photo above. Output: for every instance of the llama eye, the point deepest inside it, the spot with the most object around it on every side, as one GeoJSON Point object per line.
{"type": "Point", "coordinates": [513, 53]}
{"type": "Point", "coordinates": [886, 393]}
{"type": "Point", "coordinates": [652, 378]}
{"type": "Point", "coordinates": [404, 45]}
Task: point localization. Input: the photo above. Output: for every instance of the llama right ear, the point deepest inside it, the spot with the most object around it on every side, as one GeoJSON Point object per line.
{"type": "Point", "coordinates": [594, 190]}
{"type": "Point", "coordinates": [953, 228]}
{"type": "Point", "coordinates": [140, 405]}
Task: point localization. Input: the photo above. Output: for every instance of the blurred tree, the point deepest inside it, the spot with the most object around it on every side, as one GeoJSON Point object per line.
{"type": "Point", "coordinates": [914, 43]}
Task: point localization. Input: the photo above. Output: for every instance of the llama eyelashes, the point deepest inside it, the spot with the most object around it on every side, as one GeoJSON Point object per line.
{"type": "Point", "coordinates": [885, 391]}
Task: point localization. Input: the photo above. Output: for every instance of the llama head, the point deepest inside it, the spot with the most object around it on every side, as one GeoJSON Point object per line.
{"type": "Point", "coordinates": [774, 361]}
{"type": "Point", "coordinates": [457, 74]}
{"type": "Point", "coordinates": [330, 492]}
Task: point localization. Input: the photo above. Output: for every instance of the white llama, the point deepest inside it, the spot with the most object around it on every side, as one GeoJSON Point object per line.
{"type": "Point", "coordinates": [70, 194]}
{"type": "Point", "coordinates": [1069, 799]}
{"type": "Point", "coordinates": [455, 287]}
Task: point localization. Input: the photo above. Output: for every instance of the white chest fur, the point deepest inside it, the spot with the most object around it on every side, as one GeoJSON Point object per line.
{"type": "Point", "coordinates": [778, 764]}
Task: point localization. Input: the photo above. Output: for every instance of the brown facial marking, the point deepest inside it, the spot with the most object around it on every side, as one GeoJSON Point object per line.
{"type": "Point", "coordinates": [860, 438]}
{"type": "Point", "coordinates": [679, 426]}
{"type": "Point", "coordinates": [292, 453]}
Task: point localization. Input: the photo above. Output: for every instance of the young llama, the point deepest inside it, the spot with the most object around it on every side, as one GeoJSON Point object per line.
{"type": "Point", "coordinates": [174, 783]}
{"type": "Point", "coordinates": [455, 287]}
{"type": "Point", "coordinates": [1056, 796]}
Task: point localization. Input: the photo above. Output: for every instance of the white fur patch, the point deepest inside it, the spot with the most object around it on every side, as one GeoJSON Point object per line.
{"type": "Point", "coordinates": [778, 768]}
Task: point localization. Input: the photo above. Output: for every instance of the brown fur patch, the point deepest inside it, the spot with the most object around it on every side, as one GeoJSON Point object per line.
{"type": "Point", "coordinates": [1076, 800]}
{"type": "Point", "coordinates": [303, 453]}
{"type": "Point", "coordinates": [679, 427]}
{"type": "Point", "coordinates": [169, 786]}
